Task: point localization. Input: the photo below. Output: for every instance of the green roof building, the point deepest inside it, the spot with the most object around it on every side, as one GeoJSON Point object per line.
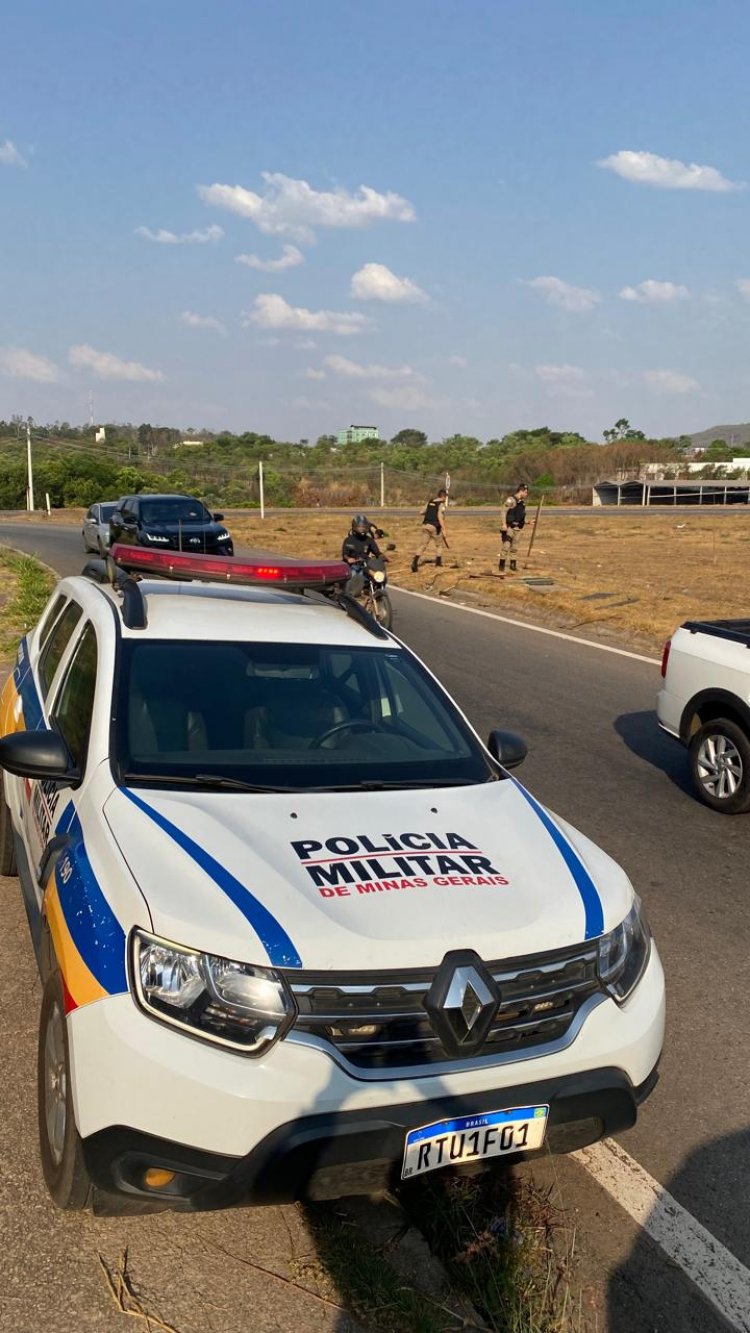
{"type": "Point", "coordinates": [356, 434]}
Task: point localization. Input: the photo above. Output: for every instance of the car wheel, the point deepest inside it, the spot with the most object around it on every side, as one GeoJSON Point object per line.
{"type": "Point", "coordinates": [60, 1146]}
{"type": "Point", "coordinates": [720, 765]}
{"type": "Point", "coordinates": [8, 864]}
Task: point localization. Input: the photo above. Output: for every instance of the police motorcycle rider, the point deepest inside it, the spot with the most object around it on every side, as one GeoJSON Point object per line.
{"type": "Point", "coordinates": [512, 523]}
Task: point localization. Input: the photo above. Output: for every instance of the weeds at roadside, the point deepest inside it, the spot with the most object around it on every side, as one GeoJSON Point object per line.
{"type": "Point", "coordinates": [26, 585]}
{"type": "Point", "coordinates": [504, 1247]}
{"type": "Point", "coordinates": [370, 1288]}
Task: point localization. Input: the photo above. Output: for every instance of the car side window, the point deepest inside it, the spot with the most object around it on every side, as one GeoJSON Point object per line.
{"type": "Point", "coordinates": [49, 620]}
{"type": "Point", "coordinates": [75, 702]}
{"type": "Point", "coordinates": [56, 644]}
{"type": "Point", "coordinates": [92, 512]}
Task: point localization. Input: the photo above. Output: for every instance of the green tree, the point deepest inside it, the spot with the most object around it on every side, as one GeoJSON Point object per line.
{"type": "Point", "coordinates": [413, 439]}
{"type": "Point", "coordinates": [622, 430]}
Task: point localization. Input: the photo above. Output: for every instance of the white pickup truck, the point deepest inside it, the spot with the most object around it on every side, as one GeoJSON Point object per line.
{"type": "Point", "coordinates": [705, 703]}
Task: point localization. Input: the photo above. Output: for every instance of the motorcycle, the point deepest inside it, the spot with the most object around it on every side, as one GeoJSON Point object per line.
{"type": "Point", "coordinates": [368, 585]}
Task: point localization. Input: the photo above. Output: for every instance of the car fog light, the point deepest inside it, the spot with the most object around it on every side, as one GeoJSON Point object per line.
{"type": "Point", "coordinates": [157, 1177]}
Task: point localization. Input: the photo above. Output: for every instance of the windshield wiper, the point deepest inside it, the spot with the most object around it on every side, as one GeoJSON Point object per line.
{"type": "Point", "coordinates": [201, 780]}
{"type": "Point", "coordinates": [424, 784]}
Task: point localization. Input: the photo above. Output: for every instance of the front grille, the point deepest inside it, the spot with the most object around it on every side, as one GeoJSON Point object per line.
{"type": "Point", "coordinates": [378, 1020]}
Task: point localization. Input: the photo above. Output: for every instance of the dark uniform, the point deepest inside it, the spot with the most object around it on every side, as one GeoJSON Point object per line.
{"type": "Point", "coordinates": [357, 547]}
{"type": "Point", "coordinates": [433, 524]}
{"type": "Point", "coordinates": [514, 519]}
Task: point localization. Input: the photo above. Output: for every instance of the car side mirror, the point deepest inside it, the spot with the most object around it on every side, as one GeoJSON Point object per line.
{"type": "Point", "coordinates": [38, 754]}
{"type": "Point", "coordinates": [509, 750]}
{"type": "Point", "coordinates": [218, 518]}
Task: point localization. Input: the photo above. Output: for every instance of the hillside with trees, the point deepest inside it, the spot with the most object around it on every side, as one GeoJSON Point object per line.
{"type": "Point", "coordinates": [75, 469]}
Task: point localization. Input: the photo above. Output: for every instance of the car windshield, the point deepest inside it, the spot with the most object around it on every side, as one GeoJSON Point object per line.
{"type": "Point", "coordinates": [174, 511]}
{"type": "Point", "coordinates": [286, 715]}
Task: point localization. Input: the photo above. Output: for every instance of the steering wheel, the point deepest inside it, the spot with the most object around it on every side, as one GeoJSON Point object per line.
{"type": "Point", "coordinates": [353, 724]}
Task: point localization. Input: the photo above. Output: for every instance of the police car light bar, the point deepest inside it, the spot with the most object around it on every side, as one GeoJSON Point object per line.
{"type": "Point", "coordinates": [227, 569]}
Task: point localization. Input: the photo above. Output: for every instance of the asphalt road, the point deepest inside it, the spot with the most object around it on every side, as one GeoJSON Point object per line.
{"type": "Point", "coordinates": [597, 758]}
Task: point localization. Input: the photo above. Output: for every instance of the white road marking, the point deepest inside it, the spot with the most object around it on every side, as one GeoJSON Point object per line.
{"type": "Point", "coordinates": [713, 1269]}
{"type": "Point", "coordinates": [522, 624]}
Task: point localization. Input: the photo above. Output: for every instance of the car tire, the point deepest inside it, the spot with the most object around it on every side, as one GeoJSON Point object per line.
{"type": "Point", "coordinates": [8, 864]}
{"type": "Point", "coordinates": [60, 1144]}
{"type": "Point", "coordinates": [720, 765]}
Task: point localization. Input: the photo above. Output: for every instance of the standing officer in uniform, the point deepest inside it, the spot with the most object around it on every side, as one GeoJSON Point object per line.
{"type": "Point", "coordinates": [433, 523]}
{"type": "Point", "coordinates": [514, 518]}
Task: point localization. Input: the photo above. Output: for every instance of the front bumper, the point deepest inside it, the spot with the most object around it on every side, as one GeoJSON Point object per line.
{"type": "Point", "coordinates": [241, 1129]}
{"type": "Point", "coordinates": [350, 1152]}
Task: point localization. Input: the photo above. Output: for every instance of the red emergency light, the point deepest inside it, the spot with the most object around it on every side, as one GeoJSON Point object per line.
{"type": "Point", "coordinates": [227, 569]}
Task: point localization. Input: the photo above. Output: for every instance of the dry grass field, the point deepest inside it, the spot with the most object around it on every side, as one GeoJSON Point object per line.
{"type": "Point", "coordinates": [633, 577]}
{"type": "Point", "coordinates": [641, 576]}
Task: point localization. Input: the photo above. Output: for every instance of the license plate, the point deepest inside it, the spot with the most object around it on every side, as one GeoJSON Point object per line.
{"type": "Point", "coordinates": [473, 1138]}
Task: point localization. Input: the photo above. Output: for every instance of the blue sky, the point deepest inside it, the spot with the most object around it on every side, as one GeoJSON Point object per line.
{"type": "Point", "coordinates": [479, 214]}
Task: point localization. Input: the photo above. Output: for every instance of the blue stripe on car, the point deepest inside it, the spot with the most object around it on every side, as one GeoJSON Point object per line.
{"type": "Point", "coordinates": [94, 928]}
{"type": "Point", "coordinates": [23, 678]}
{"type": "Point", "coordinates": [584, 883]}
{"type": "Point", "coordinates": [273, 937]}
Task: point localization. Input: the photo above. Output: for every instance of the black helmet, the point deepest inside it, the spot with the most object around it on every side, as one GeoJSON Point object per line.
{"type": "Point", "coordinates": [360, 524]}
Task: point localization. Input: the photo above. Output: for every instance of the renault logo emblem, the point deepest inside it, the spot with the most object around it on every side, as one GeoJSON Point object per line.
{"type": "Point", "coordinates": [462, 1002]}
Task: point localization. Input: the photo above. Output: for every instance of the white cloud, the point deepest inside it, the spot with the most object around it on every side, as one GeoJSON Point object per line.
{"type": "Point", "coordinates": [290, 257]}
{"type": "Point", "coordinates": [306, 344]}
{"type": "Point", "coordinates": [375, 282]}
{"type": "Point", "coordinates": [19, 364]}
{"type": "Point", "coordinates": [652, 292]}
{"type": "Point", "coordinates": [201, 236]}
{"type": "Point", "coordinates": [293, 208]}
{"type": "Point", "coordinates": [311, 374]}
{"type": "Point", "coordinates": [670, 381]}
{"type": "Point", "coordinates": [108, 367]}
{"type": "Point", "coordinates": [406, 396]}
{"type": "Point", "coordinates": [194, 321]}
{"type": "Point", "coordinates": [743, 287]}
{"type": "Point", "coordinates": [271, 311]}
{"type": "Point", "coordinates": [10, 156]}
{"type": "Point", "coordinates": [557, 292]}
{"type": "Point", "coordinates": [311, 404]}
{"type": "Point", "coordinates": [459, 361]}
{"type": "Point", "coordinates": [352, 370]}
{"type": "Point", "coordinates": [569, 381]}
{"type": "Point", "coordinates": [668, 173]}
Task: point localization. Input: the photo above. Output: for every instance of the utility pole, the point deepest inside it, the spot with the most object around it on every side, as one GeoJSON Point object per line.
{"type": "Point", "coordinates": [382, 485]}
{"type": "Point", "coordinates": [261, 488]}
{"type": "Point", "coordinates": [30, 487]}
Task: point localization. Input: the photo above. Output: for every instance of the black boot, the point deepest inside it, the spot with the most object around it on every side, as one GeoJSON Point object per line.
{"type": "Point", "coordinates": [439, 560]}
{"type": "Point", "coordinates": [414, 564]}
{"type": "Point", "coordinates": [501, 565]}
{"type": "Point", "coordinates": [513, 567]}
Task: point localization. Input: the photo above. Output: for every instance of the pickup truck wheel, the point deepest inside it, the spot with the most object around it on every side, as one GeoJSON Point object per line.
{"type": "Point", "coordinates": [59, 1141]}
{"type": "Point", "coordinates": [7, 845]}
{"type": "Point", "coordinates": [720, 766]}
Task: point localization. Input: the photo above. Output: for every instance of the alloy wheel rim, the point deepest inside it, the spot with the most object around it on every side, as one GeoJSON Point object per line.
{"type": "Point", "coordinates": [55, 1084]}
{"type": "Point", "coordinates": [719, 767]}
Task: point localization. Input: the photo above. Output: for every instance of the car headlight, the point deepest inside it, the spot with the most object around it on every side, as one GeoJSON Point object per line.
{"type": "Point", "coordinates": [153, 537]}
{"type": "Point", "coordinates": [223, 537]}
{"type": "Point", "coordinates": [624, 953]}
{"type": "Point", "coordinates": [233, 1004]}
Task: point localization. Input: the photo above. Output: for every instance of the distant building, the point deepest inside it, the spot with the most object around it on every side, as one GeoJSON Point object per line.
{"type": "Point", "coordinates": [188, 444]}
{"type": "Point", "coordinates": [355, 434]}
{"type": "Point", "coordinates": [100, 436]}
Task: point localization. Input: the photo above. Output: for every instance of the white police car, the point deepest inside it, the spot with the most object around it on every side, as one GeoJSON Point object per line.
{"type": "Point", "coordinates": [299, 931]}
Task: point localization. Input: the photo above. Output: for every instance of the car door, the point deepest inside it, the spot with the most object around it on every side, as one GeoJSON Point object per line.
{"type": "Point", "coordinates": [90, 527]}
{"type": "Point", "coordinates": [127, 527]}
{"type": "Point", "coordinates": [70, 714]}
{"type": "Point", "coordinates": [42, 798]}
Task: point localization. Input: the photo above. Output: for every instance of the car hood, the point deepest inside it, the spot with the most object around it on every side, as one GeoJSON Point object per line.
{"type": "Point", "coordinates": [333, 881]}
